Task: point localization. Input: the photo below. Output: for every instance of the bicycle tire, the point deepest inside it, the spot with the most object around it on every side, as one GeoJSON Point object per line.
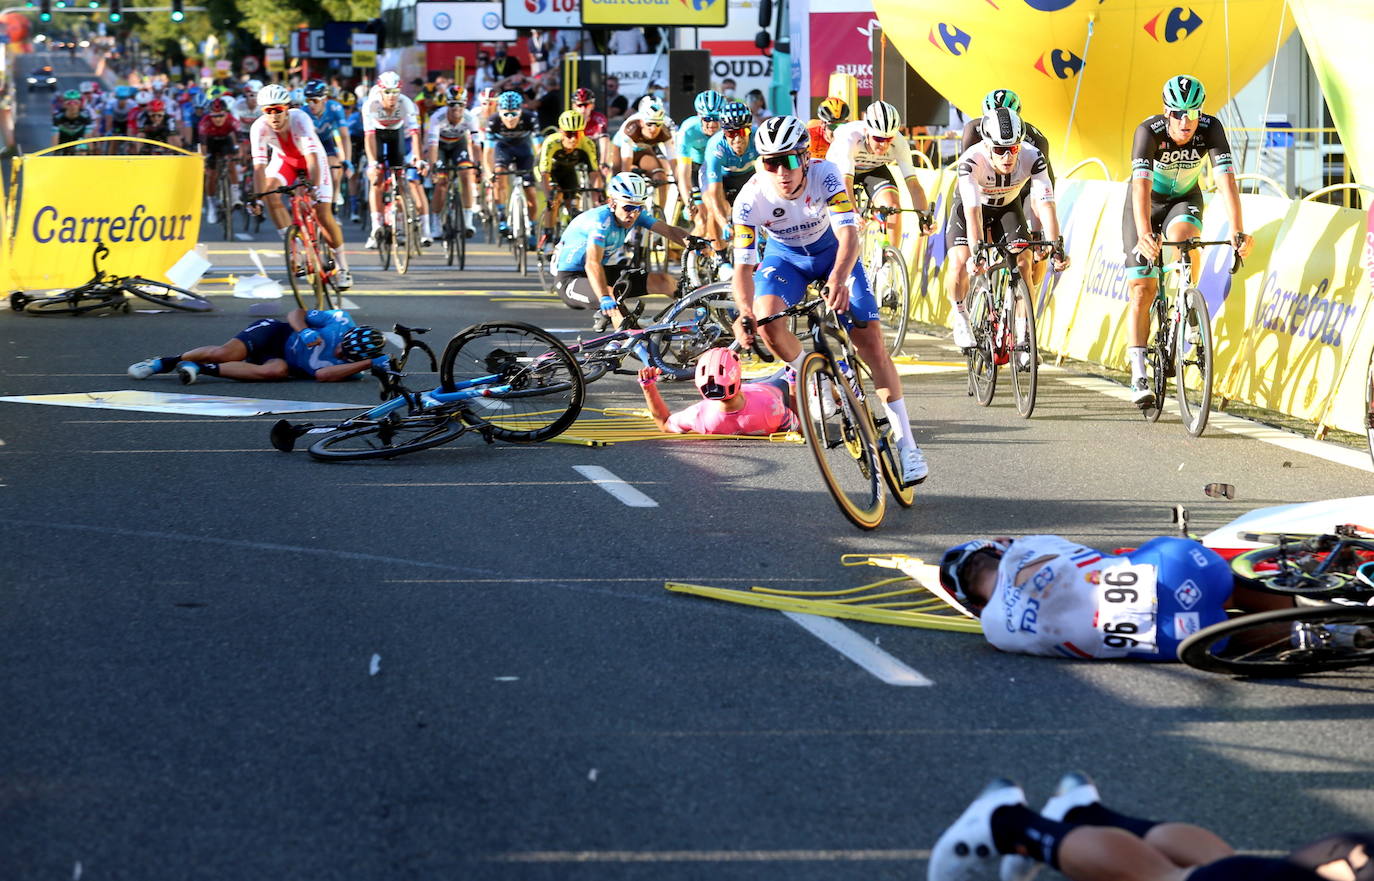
{"type": "Point", "coordinates": [449, 231]}
{"type": "Point", "coordinates": [1248, 568]}
{"type": "Point", "coordinates": [843, 443]}
{"type": "Point", "coordinates": [378, 440]}
{"type": "Point", "coordinates": [892, 288]}
{"type": "Point", "coordinates": [519, 228]}
{"type": "Point", "coordinates": [982, 366]}
{"type": "Point", "coordinates": [384, 244]}
{"type": "Point", "coordinates": [889, 457]}
{"type": "Point", "coordinates": [1193, 362]}
{"type": "Point", "coordinates": [1261, 644]}
{"type": "Point", "coordinates": [400, 233]}
{"type": "Point", "coordinates": [301, 258]}
{"type": "Point", "coordinates": [460, 221]}
{"type": "Point", "coordinates": [78, 301]}
{"type": "Point", "coordinates": [714, 328]}
{"type": "Point", "coordinates": [548, 387]}
{"type": "Point", "coordinates": [1156, 359]}
{"type": "Point", "coordinates": [164, 294]}
{"type": "Point", "coordinates": [226, 203]}
{"type": "Point", "coordinates": [1024, 377]}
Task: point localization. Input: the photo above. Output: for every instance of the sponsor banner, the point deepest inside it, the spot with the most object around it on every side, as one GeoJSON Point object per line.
{"type": "Point", "coordinates": [276, 59]}
{"type": "Point", "coordinates": [656, 13]}
{"type": "Point", "coordinates": [1080, 206]}
{"type": "Point", "coordinates": [364, 49]}
{"type": "Point", "coordinates": [839, 43]}
{"type": "Point", "coordinates": [146, 209]}
{"type": "Point", "coordinates": [1337, 35]}
{"type": "Point", "coordinates": [460, 22]}
{"type": "Point", "coordinates": [541, 13]}
{"type": "Point", "coordinates": [635, 71]}
{"type": "Point", "coordinates": [748, 72]}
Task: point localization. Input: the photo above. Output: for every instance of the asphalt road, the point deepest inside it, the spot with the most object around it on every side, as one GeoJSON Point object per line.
{"type": "Point", "coordinates": [225, 662]}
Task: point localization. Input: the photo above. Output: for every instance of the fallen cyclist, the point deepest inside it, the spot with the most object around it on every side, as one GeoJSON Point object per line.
{"type": "Point", "coordinates": [323, 344]}
{"type": "Point", "coordinates": [728, 406]}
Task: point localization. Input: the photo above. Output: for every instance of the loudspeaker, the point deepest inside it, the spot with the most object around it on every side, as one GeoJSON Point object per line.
{"type": "Point", "coordinates": [897, 83]}
{"type": "Point", "coordinates": [689, 72]}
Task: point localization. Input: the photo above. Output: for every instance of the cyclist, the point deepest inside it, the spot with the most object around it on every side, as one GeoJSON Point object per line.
{"type": "Point", "coordinates": [598, 129]}
{"type": "Point", "coordinates": [246, 107]}
{"type": "Point", "coordinates": [729, 405]}
{"type": "Point", "coordinates": [72, 123]}
{"type": "Point", "coordinates": [1166, 162]}
{"type": "Point", "coordinates": [388, 118]}
{"type": "Point", "coordinates": [116, 111]}
{"type": "Point", "coordinates": [691, 140]}
{"type": "Point", "coordinates": [832, 114]}
{"type": "Point", "coordinates": [353, 119]}
{"type": "Point", "coordinates": [154, 124]}
{"type": "Point", "coordinates": [296, 152]}
{"type": "Point", "coordinates": [728, 165]}
{"type": "Point", "coordinates": [219, 135]}
{"type": "Point", "coordinates": [559, 158]}
{"type": "Point", "coordinates": [987, 207]}
{"type": "Point", "coordinates": [813, 236]}
{"type": "Point", "coordinates": [328, 117]}
{"type": "Point", "coordinates": [324, 345]}
{"type": "Point", "coordinates": [862, 151]}
{"type": "Point", "coordinates": [644, 143]}
{"type": "Point", "coordinates": [450, 138]}
{"type": "Point", "coordinates": [511, 132]}
{"type": "Point", "coordinates": [583, 274]}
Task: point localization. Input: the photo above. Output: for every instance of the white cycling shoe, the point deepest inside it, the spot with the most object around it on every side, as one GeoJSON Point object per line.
{"type": "Point", "coordinates": [371, 243]}
{"type": "Point", "coordinates": [1141, 395]}
{"type": "Point", "coordinates": [1075, 790]}
{"type": "Point", "coordinates": [915, 469]}
{"type": "Point", "coordinates": [965, 851]}
{"type": "Point", "coordinates": [963, 334]}
{"type": "Point", "coordinates": [145, 368]}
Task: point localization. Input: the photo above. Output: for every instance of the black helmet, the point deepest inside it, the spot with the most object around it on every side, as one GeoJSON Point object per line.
{"type": "Point", "coordinates": [362, 342]}
{"type": "Point", "coordinates": [316, 89]}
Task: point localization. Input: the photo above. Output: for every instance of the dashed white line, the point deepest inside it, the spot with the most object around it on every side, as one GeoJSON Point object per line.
{"type": "Point", "coordinates": [627, 494]}
{"type": "Point", "coordinates": [859, 650]}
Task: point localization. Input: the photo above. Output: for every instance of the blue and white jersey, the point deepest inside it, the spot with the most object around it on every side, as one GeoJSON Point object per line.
{"type": "Point", "coordinates": [721, 160]}
{"type": "Point", "coordinates": [599, 227]}
{"type": "Point", "coordinates": [821, 209]}
{"type": "Point", "coordinates": [331, 324]}
{"type": "Point", "coordinates": [354, 121]}
{"type": "Point", "coordinates": [692, 141]}
{"type": "Point", "coordinates": [331, 118]}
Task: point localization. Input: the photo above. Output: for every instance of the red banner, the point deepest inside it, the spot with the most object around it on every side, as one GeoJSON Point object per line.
{"type": "Point", "coordinates": [840, 42]}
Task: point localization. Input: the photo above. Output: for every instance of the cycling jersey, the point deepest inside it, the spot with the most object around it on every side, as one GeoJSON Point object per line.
{"type": "Point", "coordinates": [551, 153]}
{"type": "Point", "coordinates": [246, 114]}
{"type": "Point", "coordinates": [331, 324]}
{"type": "Point", "coordinates": [820, 140]}
{"type": "Point", "coordinates": [691, 141]}
{"type": "Point", "coordinates": [599, 227]}
{"type": "Point", "coordinates": [227, 127]}
{"type": "Point", "coordinates": [1036, 138]}
{"type": "Point", "coordinates": [850, 152]}
{"type": "Point", "coordinates": [632, 136]}
{"type": "Point", "coordinates": [117, 109]}
{"type": "Point", "coordinates": [156, 131]}
{"type": "Point", "coordinates": [71, 128]}
{"type": "Point", "coordinates": [448, 134]}
{"type": "Point", "coordinates": [722, 160]}
{"type": "Point", "coordinates": [1060, 599]}
{"type": "Point", "coordinates": [522, 132]}
{"type": "Point", "coordinates": [355, 122]}
{"type": "Point", "coordinates": [330, 120]}
{"type": "Point", "coordinates": [597, 125]}
{"type": "Point", "coordinates": [980, 182]}
{"type": "Point", "coordinates": [823, 205]}
{"type": "Point", "coordinates": [402, 117]}
{"type": "Point", "coordinates": [765, 411]}
{"type": "Point", "coordinates": [289, 149]}
{"type": "Point", "coordinates": [1173, 169]}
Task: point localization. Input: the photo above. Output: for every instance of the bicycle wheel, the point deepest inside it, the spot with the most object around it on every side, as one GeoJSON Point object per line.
{"type": "Point", "coordinates": [713, 307]}
{"type": "Point", "coordinates": [303, 269]}
{"type": "Point", "coordinates": [1284, 642]}
{"type": "Point", "coordinates": [164, 294]}
{"type": "Point", "coordinates": [519, 227]}
{"type": "Point", "coordinates": [982, 366]}
{"type": "Point", "coordinates": [1290, 569]}
{"type": "Point", "coordinates": [458, 200]}
{"type": "Point", "coordinates": [449, 230]}
{"type": "Point", "coordinates": [532, 387]}
{"type": "Point", "coordinates": [226, 203]}
{"type": "Point", "coordinates": [78, 301]}
{"type": "Point", "coordinates": [384, 241]}
{"type": "Point", "coordinates": [888, 457]}
{"type": "Point", "coordinates": [400, 234]}
{"type": "Point", "coordinates": [1193, 362]}
{"type": "Point", "coordinates": [1157, 361]}
{"type": "Point", "coordinates": [1025, 354]}
{"type": "Point", "coordinates": [892, 289]}
{"type": "Point", "coordinates": [387, 438]}
{"type": "Point", "coordinates": [842, 438]}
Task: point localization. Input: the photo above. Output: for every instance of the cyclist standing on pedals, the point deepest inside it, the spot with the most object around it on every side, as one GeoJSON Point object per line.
{"type": "Point", "coordinates": [296, 152]}
{"type": "Point", "coordinates": [388, 117]}
{"type": "Point", "coordinates": [219, 136]}
{"type": "Point", "coordinates": [451, 139]}
{"type": "Point", "coordinates": [691, 140]}
{"type": "Point", "coordinates": [987, 207]}
{"type": "Point", "coordinates": [832, 114]}
{"type": "Point", "coordinates": [71, 123]}
{"type": "Point", "coordinates": [328, 117]}
{"type": "Point", "coordinates": [728, 166]}
{"type": "Point", "coordinates": [645, 144]}
{"type": "Point", "coordinates": [583, 276]}
{"type": "Point", "coordinates": [1166, 162]}
{"type": "Point", "coordinates": [812, 236]}
{"type": "Point", "coordinates": [559, 157]}
{"type": "Point", "coordinates": [729, 405]}
{"type": "Point", "coordinates": [862, 151]}
{"type": "Point", "coordinates": [511, 133]}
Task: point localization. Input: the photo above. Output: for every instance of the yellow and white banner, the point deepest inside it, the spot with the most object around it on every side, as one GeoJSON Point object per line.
{"type": "Point", "coordinates": [146, 209]}
{"type": "Point", "coordinates": [655, 13]}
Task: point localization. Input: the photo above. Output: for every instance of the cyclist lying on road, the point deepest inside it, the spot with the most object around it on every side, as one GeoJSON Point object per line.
{"type": "Point", "coordinates": [731, 406]}
{"type": "Point", "coordinates": [324, 345]}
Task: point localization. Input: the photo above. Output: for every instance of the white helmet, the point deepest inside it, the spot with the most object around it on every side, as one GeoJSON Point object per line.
{"type": "Point", "coordinates": [272, 95]}
{"type": "Point", "coordinates": [253, 86]}
{"type": "Point", "coordinates": [882, 119]}
{"type": "Point", "coordinates": [143, 97]}
{"type": "Point", "coordinates": [654, 114]}
{"type": "Point", "coordinates": [389, 79]}
{"type": "Point", "coordinates": [631, 187]}
{"type": "Point", "coordinates": [649, 103]}
{"type": "Point", "coordinates": [781, 134]}
{"type": "Point", "coordinates": [1002, 127]}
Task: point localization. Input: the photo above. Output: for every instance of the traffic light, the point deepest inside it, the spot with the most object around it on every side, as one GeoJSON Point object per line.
{"type": "Point", "coordinates": [61, 4]}
{"type": "Point", "coordinates": [93, 4]}
{"type": "Point", "coordinates": [116, 11]}
{"type": "Point", "coordinates": [177, 13]}
{"type": "Point", "coordinates": [45, 10]}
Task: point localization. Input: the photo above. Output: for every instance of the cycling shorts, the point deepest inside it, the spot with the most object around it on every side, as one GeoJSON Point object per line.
{"type": "Point", "coordinates": [786, 271]}
{"type": "Point", "coordinates": [1192, 584]}
{"type": "Point", "coordinates": [516, 156]}
{"type": "Point", "coordinates": [875, 180]}
{"type": "Point", "coordinates": [1006, 221]}
{"type": "Point", "coordinates": [1186, 208]}
{"type": "Point", "coordinates": [391, 151]}
{"type": "Point", "coordinates": [265, 340]}
{"type": "Point", "coordinates": [221, 145]}
{"type": "Point", "coordinates": [732, 182]}
{"type": "Point", "coordinates": [453, 155]}
{"type": "Point", "coordinates": [575, 289]}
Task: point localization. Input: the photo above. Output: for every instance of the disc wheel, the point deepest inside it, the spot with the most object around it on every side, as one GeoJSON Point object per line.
{"type": "Point", "coordinates": [532, 387]}
{"type": "Point", "coordinates": [843, 441]}
{"type": "Point", "coordinates": [892, 288]}
{"type": "Point", "coordinates": [387, 438]}
{"type": "Point", "coordinates": [1193, 362]}
{"type": "Point", "coordinates": [982, 366]}
{"type": "Point", "coordinates": [1025, 353]}
{"type": "Point", "coordinates": [1284, 642]}
{"type": "Point", "coordinates": [163, 294]}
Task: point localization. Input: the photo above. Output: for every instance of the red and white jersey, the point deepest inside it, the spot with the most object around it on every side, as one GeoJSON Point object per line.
{"type": "Point", "coordinates": [402, 117]}
{"type": "Point", "coordinates": [292, 144]}
{"type": "Point", "coordinates": [979, 182]}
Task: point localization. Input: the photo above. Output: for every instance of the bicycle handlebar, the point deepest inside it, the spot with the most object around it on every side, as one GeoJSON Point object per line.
{"type": "Point", "coordinates": [1186, 245]}
{"type": "Point", "coordinates": [284, 191]}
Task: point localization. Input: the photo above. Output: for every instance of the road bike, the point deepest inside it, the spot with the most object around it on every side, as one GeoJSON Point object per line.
{"type": "Point", "coordinates": [517, 219]}
{"type": "Point", "coordinates": [886, 269]}
{"type": "Point", "coordinates": [107, 291]}
{"type": "Point", "coordinates": [569, 206]}
{"type": "Point", "coordinates": [398, 238]}
{"type": "Point", "coordinates": [224, 190]}
{"type": "Point", "coordinates": [1330, 578]}
{"type": "Point", "coordinates": [1001, 315]}
{"type": "Point", "coordinates": [310, 263]}
{"type": "Point", "coordinates": [1182, 341]}
{"type": "Point", "coordinates": [454, 231]}
{"type": "Point", "coordinates": [506, 380]}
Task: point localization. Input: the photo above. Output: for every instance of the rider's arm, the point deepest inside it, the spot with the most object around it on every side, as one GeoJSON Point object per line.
{"type": "Point", "coordinates": [658, 409]}
{"type": "Point", "coordinates": [971, 194]}
{"type": "Point", "coordinates": [411, 124]}
{"type": "Point", "coordinates": [902, 153]}
{"type": "Point", "coordinates": [715, 200]}
{"type": "Point", "coordinates": [336, 372]}
{"type": "Point", "coordinates": [1142, 174]}
{"type": "Point", "coordinates": [596, 272]}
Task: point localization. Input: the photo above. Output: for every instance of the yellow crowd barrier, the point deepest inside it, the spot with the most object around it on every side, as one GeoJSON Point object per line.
{"type": "Point", "coordinates": [145, 208]}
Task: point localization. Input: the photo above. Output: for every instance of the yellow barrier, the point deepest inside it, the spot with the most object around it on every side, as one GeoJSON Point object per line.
{"type": "Point", "coordinates": [145, 208]}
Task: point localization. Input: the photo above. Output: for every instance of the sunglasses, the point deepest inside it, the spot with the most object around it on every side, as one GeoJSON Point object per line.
{"type": "Point", "coordinates": [318, 100]}
{"type": "Point", "coordinates": [630, 209]}
{"type": "Point", "coordinates": [1006, 151]}
{"type": "Point", "coordinates": [390, 93]}
{"type": "Point", "coordinates": [736, 132]}
{"type": "Point", "coordinates": [510, 114]}
{"type": "Point", "coordinates": [1184, 114]}
{"type": "Point", "coordinates": [786, 160]}
{"type": "Point", "coordinates": [584, 103]}
{"type": "Point", "coordinates": [878, 140]}
{"type": "Point", "coordinates": [275, 109]}
{"type": "Point", "coordinates": [653, 125]}
{"type": "Point", "coordinates": [572, 134]}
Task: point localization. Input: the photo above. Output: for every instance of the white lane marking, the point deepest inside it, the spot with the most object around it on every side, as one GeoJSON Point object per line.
{"type": "Point", "coordinates": [615, 486]}
{"type": "Point", "coordinates": [376, 666]}
{"type": "Point", "coordinates": [859, 650]}
{"type": "Point", "coordinates": [243, 236]}
{"type": "Point", "coordinates": [709, 856]}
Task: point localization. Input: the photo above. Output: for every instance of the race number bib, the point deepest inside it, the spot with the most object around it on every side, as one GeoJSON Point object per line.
{"type": "Point", "coordinates": [1126, 609]}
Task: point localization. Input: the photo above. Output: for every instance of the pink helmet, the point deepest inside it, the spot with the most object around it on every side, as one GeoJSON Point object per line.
{"type": "Point", "coordinates": [718, 374]}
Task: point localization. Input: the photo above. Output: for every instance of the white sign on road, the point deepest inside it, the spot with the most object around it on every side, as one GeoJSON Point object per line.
{"type": "Point", "coordinates": [460, 22]}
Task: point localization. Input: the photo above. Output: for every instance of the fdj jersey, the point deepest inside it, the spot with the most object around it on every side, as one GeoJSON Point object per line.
{"type": "Point", "coordinates": [331, 324]}
{"type": "Point", "coordinates": [1173, 169]}
{"type": "Point", "coordinates": [598, 227]}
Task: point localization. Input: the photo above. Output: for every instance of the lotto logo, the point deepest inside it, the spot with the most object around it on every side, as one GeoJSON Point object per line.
{"type": "Point", "coordinates": [535, 6]}
{"type": "Point", "coordinates": [1188, 594]}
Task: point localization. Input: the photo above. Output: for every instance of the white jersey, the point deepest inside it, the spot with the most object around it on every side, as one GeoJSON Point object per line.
{"type": "Point", "coordinates": [244, 114]}
{"type": "Point", "coordinates": [849, 151]}
{"type": "Point", "coordinates": [403, 117]}
{"type": "Point", "coordinates": [291, 145]}
{"type": "Point", "coordinates": [439, 129]}
{"type": "Point", "coordinates": [823, 204]}
{"type": "Point", "coordinates": [980, 182]}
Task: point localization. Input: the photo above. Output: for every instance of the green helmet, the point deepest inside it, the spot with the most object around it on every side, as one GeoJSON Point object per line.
{"type": "Point", "coordinates": [1001, 98]}
{"type": "Point", "coordinates": [1184, 92]}
{"type": "Point", "coordinates": [71, 95]}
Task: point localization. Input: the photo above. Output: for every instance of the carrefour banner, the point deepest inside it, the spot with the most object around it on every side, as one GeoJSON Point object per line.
{"type": "Point", "coordinates": [655, 13]}
{"type": "Point", "coordinates": [146, 209]}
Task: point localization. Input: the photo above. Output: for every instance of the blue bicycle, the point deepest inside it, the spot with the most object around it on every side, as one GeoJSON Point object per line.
{"type": "Point", "coordinates": [506, 380]}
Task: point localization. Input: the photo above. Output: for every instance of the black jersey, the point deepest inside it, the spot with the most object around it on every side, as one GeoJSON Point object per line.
{"type": "Point", "coordinates": [523, 130]}
{"type": "Point", "coordinates": [71, 128]}
{"type": "Point", "coordinates": [1173, 169]}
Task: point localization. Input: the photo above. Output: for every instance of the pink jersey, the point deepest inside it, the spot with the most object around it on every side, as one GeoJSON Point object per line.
{"type": "Point", "coordinates": [764, 412]}
{"type": "Point", "coordinates": [291, 145]}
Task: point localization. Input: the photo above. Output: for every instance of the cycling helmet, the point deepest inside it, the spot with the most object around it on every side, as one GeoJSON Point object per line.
{"type": "Point", "coordinates": [362, 342]}
{"type": "Point", "coordinates": [881, 119]}
{"type": "Point", "coordinates": [631, 187]}
{"type": "Point", "coordinates": [708, 104]}
{"type": "Point", "coordinates": [650, 103]}
{"type": "Point", "coordinates": [508, 101]}
{"type": "Point", "coordinates": [272, 95]}
{"type": "Point", "coordinates": [654, 116]}
{"type": "Point", "coordinates": [124, 92]}
{"type": "Point", "coordinates": [219, 105]}
{"type": "Point", "coordinates": [486, 95]}
{"type": "Point", "coordinates": [833, 110]}
{"type": "Point", "coordinates": [572, 121]}
{"type": "Point", "coordinates": [316, 89]}
{"type": "Point", "coordinates": [718, 374]}
{"type": "Point", "coordinates": [1002, 127]}
{"type": "Point", "coordinates": [583, 96]}
{"type": "Point", "coordinates": [71, 95]}
{"type": "Point", "coordinates": [735, 116]}
{"type": "Point", "coordinates": [347, 98]}
{"type": "Point", "coordinates": [252, 87]}
{"type": "Point", "coordinates": [1184, 93]}
{"type": "Point", "coordinates": [1001, 98]}
{"type": "Point", "coordinates": [297, 97]}
{"type": "Point", "coordinates": [143, 97]}
{"type": "Point", "coordinates": [953, 561]}
{"type": "Point", "coordinates": [86, 87]}
{"type": "Point", "coordinates": [156, 106]}
{"type": "Point", "coordinates": [389, 80]}
{"type": "Point", "coordinates": [456, 95]}
{"type": "Point", "coordinates": [781, 134]}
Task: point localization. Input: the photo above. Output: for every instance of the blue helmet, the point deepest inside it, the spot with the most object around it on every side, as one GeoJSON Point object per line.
{"type": "Point", "coordinates": [510, 101]}
{"type": "Point", "coordinates": [124, 92]}
{"type": "Point", "coordinates": [316, 89]}
{"type": "Point", "coordinates": [735, 115]}
{"type": "Point", "coordinates": [708, 104]}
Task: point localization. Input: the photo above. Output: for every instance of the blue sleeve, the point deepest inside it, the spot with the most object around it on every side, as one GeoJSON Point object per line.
{"type": "Point", "coordinates": [645, 219]}
{"type": "Point", "coordinates": [711, 166]}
